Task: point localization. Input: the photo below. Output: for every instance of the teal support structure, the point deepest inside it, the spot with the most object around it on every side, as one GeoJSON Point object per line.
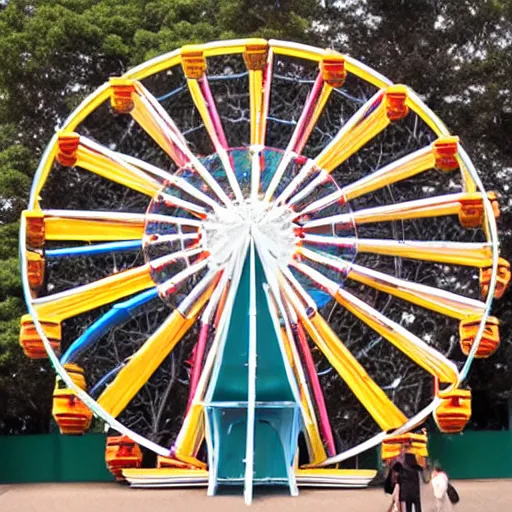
{"type": "Point", "coordinates": [252, 419]}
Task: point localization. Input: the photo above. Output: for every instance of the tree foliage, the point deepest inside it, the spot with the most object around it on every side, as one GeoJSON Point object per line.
{"type": "Point", "coordinates": [456, 54]}
{"type": "Point", "coordinates": [52, 54]}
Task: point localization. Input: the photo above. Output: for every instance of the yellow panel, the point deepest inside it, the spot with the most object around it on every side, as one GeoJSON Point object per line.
{"type": "Point", "coordinates": [354, 67]}
{"type": "Point", "coordinates": [67, 228]}
{"type": "Point", "coordinates": [430, 207]}
{"type": "Point", "coordinates": [199, 102]}
{"type": "Point", "coordinates": [457, 253]}
{"type": "Point", "coordinates": [346, 144]}
{"type": "Point", "coordinates": [90, 296]}
{"type": "Point", "coordinates": [107, 168]}
{"type": "Point", "coordinates": [435, 124]}
{"type": "Point", "coordinates": [400, 170]}
{"type": "Point", "coordinates": [148, 358]}
{"type": "Point", "coordinates": [414, 348]}
{"type": "Point", "coordinates": [256, 105]}
{"type": "Point", "coordinates": [164, 473]}
{"type": "Point", "coordinates": [300, 51]}
{"type": "Point", "coordinates": [149, 124]}
{"type": "Point", "coordinates": [189, 442]}
{"type": "Point", "coordinates": [154, 66]}
{"type": "Point", "coordinates": [144, 363]}
{"type": "Point", "coordinates": [323, 97]}
{"type": "Point", "coordinates": [426, 297]}
{"type": "Point", "coordinates": [378, 405]}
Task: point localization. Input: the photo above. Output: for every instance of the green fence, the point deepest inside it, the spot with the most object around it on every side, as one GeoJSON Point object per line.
{"type": "Point", "coordinates": [53, 458]}
{"type": "Point", "coordinates": [474, 454]}
{"type": "Point", "coordinates": [56, 458]}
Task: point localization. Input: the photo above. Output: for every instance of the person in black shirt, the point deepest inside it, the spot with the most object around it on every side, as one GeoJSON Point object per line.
{"type": "Point", "coordinates": [410, 483]}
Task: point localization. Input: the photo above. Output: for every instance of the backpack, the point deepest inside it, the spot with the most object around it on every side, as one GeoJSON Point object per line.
{"type": "Point", "coordinates": [453, 495]}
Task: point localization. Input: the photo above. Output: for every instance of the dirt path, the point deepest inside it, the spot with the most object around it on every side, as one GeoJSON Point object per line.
{"type": "Point", "coordinates": [476, 496]}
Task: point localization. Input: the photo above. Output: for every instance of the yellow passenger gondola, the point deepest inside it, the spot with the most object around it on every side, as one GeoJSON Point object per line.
{"type": "Point", "coordinates": [31, 341]}
{"type": "Point", "coordinates": [396, 446]}
{"type": "Point", "coordinates": [122, 453]}
{"type": "Point", "coordinates": [72, 416]}
{"type": "Point", "coordinates": [454, 412]}
{"type": "Point", "coordinates": [502, 279]}
{"type": "Point", "coordinates": [490, 341]}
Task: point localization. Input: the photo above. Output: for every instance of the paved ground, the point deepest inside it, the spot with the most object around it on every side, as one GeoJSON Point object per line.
{"type": "Point", "coordinates": [476, 496]}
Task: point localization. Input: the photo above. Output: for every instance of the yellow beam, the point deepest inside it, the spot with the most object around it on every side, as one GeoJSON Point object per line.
{"type": "Point", "coordinates": [309, 417]}
{"type": "Point", "coordinates": [90, 296]}
{"type": "Point", "coordinates": [443, 302]}
{"type": "Point", "coordinates": [457, 253]}
{"type": "Point", "coordinates": [124, 227]}
{"type": "Point", "coordinates": [401, 169]}
{"type": "Point", "coordinates": [371, 396]}
{"type": "Point", "coordinates": [412, 346]}
{"type": "Point", "coordinates": [450, 204]}
{"type": "Point", "coordinates": [75, 151]}
{"type": "Point", "coordinates": [148, 358]}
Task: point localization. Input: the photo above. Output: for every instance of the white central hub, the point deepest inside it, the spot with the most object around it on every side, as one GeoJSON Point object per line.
{"type": "Point", "coordinates": [270, 228]}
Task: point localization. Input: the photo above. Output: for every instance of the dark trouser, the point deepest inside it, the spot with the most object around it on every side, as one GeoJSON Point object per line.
{"type": "Point", "coordinates": [409, 504]}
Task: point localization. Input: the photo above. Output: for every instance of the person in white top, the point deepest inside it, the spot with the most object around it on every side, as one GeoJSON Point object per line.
{"type": "Point", "coordinates": [439, 483]}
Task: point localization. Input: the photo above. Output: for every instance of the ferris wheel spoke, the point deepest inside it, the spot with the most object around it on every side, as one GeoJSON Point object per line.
{"type": "Point", "coordinates": [413, 347]}
{"type": "Point", "coordinates": [373, 117]}
{"type": "Point", "coordinates": [314, 439]}
{"type": "Point", "coordinates": [332, 74]}
{"type": "Point", "coordinates": [318, 393]}
{"type": "Point", "coordinates": [77, 150]}
{"type": "Point", "coordinates": [94, 249]}
{"type": "Point", "coordinates": [129, 96]}
{"type": "Point", "coordinates": [457, 253]}
{"type": "Point", "coordinates": [283, 318]}
{"type": "Point", "coordinates": [258, 59]}
{"type": "Point", "coordinates": [300, 351]}
{"type": "Point", "coordinates": [441, 154]}
{"type": "Point", "coordinates": [119, 314]}
{"type": "Point", "coordinates": [169, 287]}
{"type": "Point", "coordinates": [449, 204]}
{"type": "Point", "coordinates": [441, 301]}
{"type": "Point", "coordinates": [170, 179]}
{"type": "Point", "coordinates": [371, 396]}
{"type": "Point", "coordinates": [150, 356]}
{"type": "Point", "coordinates": [385, 107]}
{"type": "Point", "coordinates": [76, 301]}
{"type": "Point", "coordinates": [93, 226]}
{"type": "Point", "coordinates": [194, 66]}
{"type": "Point", "coordinates": [191, 433]}
{"type": "Point", "coordinates": [208, 324]}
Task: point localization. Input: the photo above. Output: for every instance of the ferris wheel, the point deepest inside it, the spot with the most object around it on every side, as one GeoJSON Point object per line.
{"type": "Point", "coordinates": [238, 244]}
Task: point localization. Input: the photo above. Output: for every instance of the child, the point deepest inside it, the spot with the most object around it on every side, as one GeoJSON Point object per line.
{"type": "Point", "coordinates": [440, 486]}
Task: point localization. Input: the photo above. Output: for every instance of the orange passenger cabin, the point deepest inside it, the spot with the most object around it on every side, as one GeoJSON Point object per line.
{"type": "Point", "coordinates": [35, 271]}
{"type": "Point", "coordinates": [122, 453]}
{"type": "Point", "coordinates": [454, 412]}
{"type": "Point", "coordinates": [72, 416]}
{"type": "Point", "coordinates": [471, 214]}
{"type": "Point", "coordinates": [70, 413]}
{"type": "Point", "coordinates": [31, 341]}
{"type": "Point", "coordinates": [396, 446]}
{"type": "Point", "coordinates": [502, 279]}
{"type": "Point", "coordinates": [489, 342]}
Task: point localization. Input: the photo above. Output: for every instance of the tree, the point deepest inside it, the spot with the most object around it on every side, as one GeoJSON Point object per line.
{"type": "Point", "coordinates": [52, 54]}
{"type": "Point", "coordinates": [456, 55]}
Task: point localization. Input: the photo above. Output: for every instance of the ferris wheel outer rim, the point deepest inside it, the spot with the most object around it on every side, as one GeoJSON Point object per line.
{"type": "Point", "coordinates": [161, 63]}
